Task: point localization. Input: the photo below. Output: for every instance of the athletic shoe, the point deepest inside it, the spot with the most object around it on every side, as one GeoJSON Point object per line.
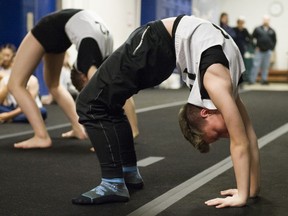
{"type": "Point", "coordinates": [133, 180]}
{"type": "Point", "coordinates": [104, 193]}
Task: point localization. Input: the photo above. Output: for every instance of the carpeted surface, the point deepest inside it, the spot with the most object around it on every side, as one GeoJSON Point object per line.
{"type": "Point", "coordinates": [42, 182]}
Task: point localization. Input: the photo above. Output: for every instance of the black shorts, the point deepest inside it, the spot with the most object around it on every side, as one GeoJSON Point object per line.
{"type": "Point", "coordinates": [50, 31]}
{"type": "Point", "coordinates": [145, 60]}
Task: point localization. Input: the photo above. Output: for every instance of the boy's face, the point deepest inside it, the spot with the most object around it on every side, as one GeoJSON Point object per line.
{"type": "Point", "coordinates": [214, 127]}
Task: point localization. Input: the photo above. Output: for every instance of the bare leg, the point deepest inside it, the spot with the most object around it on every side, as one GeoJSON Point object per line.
{"type": "Point", "coordinates": [27, 58]}
{"type": "Point", "coordinates": [129, 108]}
{"type": "Point", "coordinates": [52, 69]}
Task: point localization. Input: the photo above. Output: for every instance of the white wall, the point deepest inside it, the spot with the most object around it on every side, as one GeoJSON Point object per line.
{"type": "Point", "coordinates": [253, 10]}
{"type": "Point", "coordinates": [121, 16]}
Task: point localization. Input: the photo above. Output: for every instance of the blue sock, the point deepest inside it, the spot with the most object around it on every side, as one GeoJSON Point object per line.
{"type": "Point", "coordinates": [130, 169]}
{"type": "Point", "coordinates": [113, 180]}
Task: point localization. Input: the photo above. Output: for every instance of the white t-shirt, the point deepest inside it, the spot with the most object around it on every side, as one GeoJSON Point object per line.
{"type": "Point", "coordinates": [192, 37]}
{"type": "Point", "coordinates": [89, 25]}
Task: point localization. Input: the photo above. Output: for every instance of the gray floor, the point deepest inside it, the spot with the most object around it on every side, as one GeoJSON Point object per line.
{"type": "Point", "coordinates": [42, 182]}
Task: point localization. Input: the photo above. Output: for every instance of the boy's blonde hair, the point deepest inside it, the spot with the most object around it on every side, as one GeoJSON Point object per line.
{"type": "Point", "coordinates": [190, 123]}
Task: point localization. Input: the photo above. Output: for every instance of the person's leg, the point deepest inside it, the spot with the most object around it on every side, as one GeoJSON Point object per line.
{"type": "Point", "coordinates": [256, 67]}
{"type": "Point", "coordinates": [129, 108]}
{"type": "Point", "coordinates": [99, 106]}
{"type": "Point", "coordinates": [132, 67]}
{"type": "Point", "coordinates": [266, 57]}
{"type": "Point", "coordinates": [27, 58]}
{"type": "Point", "coordinates": [113, 141]}
{"type": "Point", "coordinates": [132, 177]}
{"type": "Point", "coordinates": [106, 132]}
{"type": "Point", "coordinates": [52, 69]}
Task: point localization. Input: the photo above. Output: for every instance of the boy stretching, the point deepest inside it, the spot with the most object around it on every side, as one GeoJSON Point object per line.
{"type": "Point", "coordinates": [211, 65]}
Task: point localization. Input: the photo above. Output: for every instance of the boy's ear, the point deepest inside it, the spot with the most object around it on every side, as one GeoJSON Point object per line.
{"type": "Point", "coordinates": [204, 113]}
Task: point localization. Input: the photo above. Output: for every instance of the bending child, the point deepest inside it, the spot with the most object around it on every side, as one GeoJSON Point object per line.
{"type": "Point", "coordinates": [49, 40]}
{"type": "Point", "coordinates": [211, 65]}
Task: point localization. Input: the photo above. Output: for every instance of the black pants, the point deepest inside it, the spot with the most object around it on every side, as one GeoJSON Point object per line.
{"type": "Point", "coordinates": [146, 59]}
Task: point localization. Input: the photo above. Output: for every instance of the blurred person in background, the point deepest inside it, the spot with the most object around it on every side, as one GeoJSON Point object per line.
{"type": "Point", "coordinates": [224, 23]}
{"type": "Point", "coordinates": [9, 109]}
{"type": "Point", "coordinates": [8, 52]}
{"type": "Point", "coordinates": [265, 40]}
{"type": "Point", "coordinates": [244, 42]}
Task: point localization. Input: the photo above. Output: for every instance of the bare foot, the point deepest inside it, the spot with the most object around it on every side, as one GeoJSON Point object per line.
{"type": "Point", "coordinates": [73, 134]}
{"type": "Point", "coordinates": [34, 142]}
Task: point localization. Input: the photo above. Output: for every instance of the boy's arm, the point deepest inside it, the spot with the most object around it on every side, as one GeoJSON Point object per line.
{"type": "Point", "coordinates": [254, 150]}
{"type": "Point", "coordinates": [218, 84]}
{"type": "Point", "coordinates": [254, 153]}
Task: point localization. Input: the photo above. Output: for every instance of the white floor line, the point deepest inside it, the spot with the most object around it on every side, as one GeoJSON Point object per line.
{"type": "Point", "coordinates": [31, 131]}
{"type": "Point", "coordinates": [141, 110]}
{"type": "Point", "coordinates": [148, 161]}
{"type": "Point", "coordinates": [162, 202]}
{"type": "Point", "coordinates": [147, 109]}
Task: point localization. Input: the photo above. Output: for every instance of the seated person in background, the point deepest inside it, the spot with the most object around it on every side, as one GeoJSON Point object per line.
{"type": "Point", "coordinates": [9, 110]}
{"type": "Point", "coordinates": [7, 53]}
